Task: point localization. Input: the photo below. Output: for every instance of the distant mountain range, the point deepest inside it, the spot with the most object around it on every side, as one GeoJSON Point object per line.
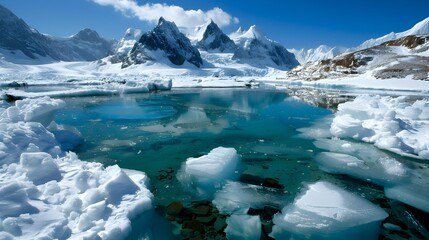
{"type": "Point", "coordinates": [16, 35]}
{"type": "Point", "coordinates": [164, 43]}
{"type": "Point", "coordinates": [167, 44]}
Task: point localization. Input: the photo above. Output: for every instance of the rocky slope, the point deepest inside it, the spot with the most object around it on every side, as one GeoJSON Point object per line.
{"type": "Point", "coordinates": [406, 56]}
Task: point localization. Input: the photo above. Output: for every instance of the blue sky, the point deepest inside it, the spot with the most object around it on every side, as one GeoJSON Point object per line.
{"type": "Point", "coordinates": [303, 23]}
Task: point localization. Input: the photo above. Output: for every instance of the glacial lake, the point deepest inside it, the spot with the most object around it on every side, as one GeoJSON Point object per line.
{"type": "Point", "coordinates": [156, 133]}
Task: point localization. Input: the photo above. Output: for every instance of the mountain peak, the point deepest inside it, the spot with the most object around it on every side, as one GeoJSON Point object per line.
{"type": "Point", "coordinates": [215, 40]}
{"type": "Point", "coordinates": [167, 38]}
{"type": "Point", "coordinates": [87, 35]}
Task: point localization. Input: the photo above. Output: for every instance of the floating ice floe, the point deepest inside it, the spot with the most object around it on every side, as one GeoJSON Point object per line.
{"type": "Point", "coordinates": [243, 227]}
{"type": "Point", "coordinates": [207, 173]}
{"type": "Point", "coordinates": [325, 211]}
{"type": "Point", "coordinates": [395, 124]}
{"type": "Point", "coordinates": [47, 193]}
{"type": "Point", "coordinates": [237, 198]}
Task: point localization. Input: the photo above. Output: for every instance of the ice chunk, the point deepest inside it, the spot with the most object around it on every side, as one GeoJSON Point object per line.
{"type": "Point", "coordinates": [243, 227]}
{"type": "Point", "coordinates": [67, 136]}
{"type": "Point", "coordinates": [237, 198]}
{"type": "Point", "coordinates": [40, 167]}
{"type": "Point", "coordinates": [395, 124]}
{"type": "Point", "coordinates": [382, 171]}
{"type": "Point", "coordinates": [415, 195]}
{"type": "Point", "coordinates": [325, 211]}
{"type": "Point", "coordinates": [208, 173]}
{"type": "Point", "coordinates": [14, 201]}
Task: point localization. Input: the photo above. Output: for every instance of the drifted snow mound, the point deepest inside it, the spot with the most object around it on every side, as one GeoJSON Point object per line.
{"type": "Point", "coordinates": [325, 211]}
{"type": "Point", "coordinates": [243, 227]}
{"type": "Point", "coordinates": [207, 173]}
{"type": "Point", "coordinates": [46, 193]}
{"type": "Point", "coordinates": [395, 124]}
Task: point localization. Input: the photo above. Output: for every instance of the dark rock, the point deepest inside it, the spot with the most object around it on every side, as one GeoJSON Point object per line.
{"type": "Point", "coordinates": [174, 209]}
{"type": "Point", "coordinates": [268, 212]}
{"type": "Point", "coordinates": [267, 228]}
{"type": "Point", "coordinates": [187, 233]}
{"type": "Point", "coordinates": [272, 183]}
{"type": "Point", "coordinates": [254, 212]}
{"type": "Point", "coordinates": [193, 225]}
{"type": "Point", "coordinates": [206, 220]}
{"type": "Point", "coordinates": [219, 224]}
{"type": "Point", "coordinates": [201, 210]}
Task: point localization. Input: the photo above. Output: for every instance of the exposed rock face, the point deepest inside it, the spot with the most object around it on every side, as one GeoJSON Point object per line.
{"type": "Point", "coordinates": [406, 56]}
{"type": "Point", "coordinates": [15, 35]}
{"type": "Point", "coordinates": [215, 40]}
{"type": "Point", "coordinates": [256, 49]}
{"type": "Point", "coordinates": [166, 39]}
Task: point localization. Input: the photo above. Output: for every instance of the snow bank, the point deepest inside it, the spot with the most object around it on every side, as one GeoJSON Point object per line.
{"type": "Point", "coordinates": [46, 193]}
{"type": "Point", "coordinates": [208, 173]}
{"type": "Point", "coordinates": [395, 124]}
{"type": "Point", "coordinates": [243, 227]}
{"type": "Point", "coordinates": [325, 211]}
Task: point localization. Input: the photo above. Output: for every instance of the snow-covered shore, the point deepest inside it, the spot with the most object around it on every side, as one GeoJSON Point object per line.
{"type": "Point", "coordinates": [47, 193]}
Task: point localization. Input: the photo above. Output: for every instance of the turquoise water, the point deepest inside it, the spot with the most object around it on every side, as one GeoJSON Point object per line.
{"type": "Point", "coordinates": [155, 133]}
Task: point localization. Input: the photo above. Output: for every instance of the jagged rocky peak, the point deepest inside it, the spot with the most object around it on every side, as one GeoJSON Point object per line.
{"type": "Point", "coordinates": [125, 45]}
{"type": "Point", "coordinates": [167, 38]}
{"type": "Point", "coordinates": [215, 40]}
{"type": "Point", "coordinates": [256, 49]}
{"type": "Point", "coordinates": [88, 35]}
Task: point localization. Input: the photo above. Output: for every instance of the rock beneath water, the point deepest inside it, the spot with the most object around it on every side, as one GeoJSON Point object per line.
{"type": "Point", "coordinates": [174, 209]}
{"type": "Point", "coordinates": [325, 211]}
{"type": "Point", "coordinates": [219, 224]}
{"type": "Point", "coordinates": [392, 227]}
{"type": "Point", "coordinates": [194, 225]}
{"type": "Point", "coordinates": [272, 183]}
{"type": "Point", "coordinates": [243, 227]}
{"type": "Point", "coordinates": [201, 210]}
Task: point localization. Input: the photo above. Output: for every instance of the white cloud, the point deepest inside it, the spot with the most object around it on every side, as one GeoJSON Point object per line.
{"type": "Point", "coordinates": [151, 12]}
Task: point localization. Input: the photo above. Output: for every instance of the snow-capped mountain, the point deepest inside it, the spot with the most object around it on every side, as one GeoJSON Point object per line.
{"type": "Point", "coordinates": [400, 58]}
{"type": "Point", "coordinates": [215, 40]}
{"type": "Point", "coordinates": [316, 54]}
{"type": "Point", "coordinates": [125, 45]}
{"type": "Point", "coordinates": [16, 35]}
{"type": "Point", "coordinates": [164, 41]}
{"type": "Point", "coordinates": [256, 49]}
{"type": "Point", "coordinates": [421, 28]}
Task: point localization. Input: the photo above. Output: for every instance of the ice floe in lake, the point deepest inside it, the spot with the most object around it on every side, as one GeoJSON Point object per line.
{"type": "Point", "coordinates": [395, 124]}
{"type": "Point", "coordinates": [237, 198]}
{"type": "Point", "coordinates": [243, 227]}
{"type": "Point", "coordinates": [47, 193]}
{"type": "Point", "coordinates": [325, 211]}
{"type": "Point", "coordinates": [400, 125]}
{"type": "Point", "coordinates": [207, 173]}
